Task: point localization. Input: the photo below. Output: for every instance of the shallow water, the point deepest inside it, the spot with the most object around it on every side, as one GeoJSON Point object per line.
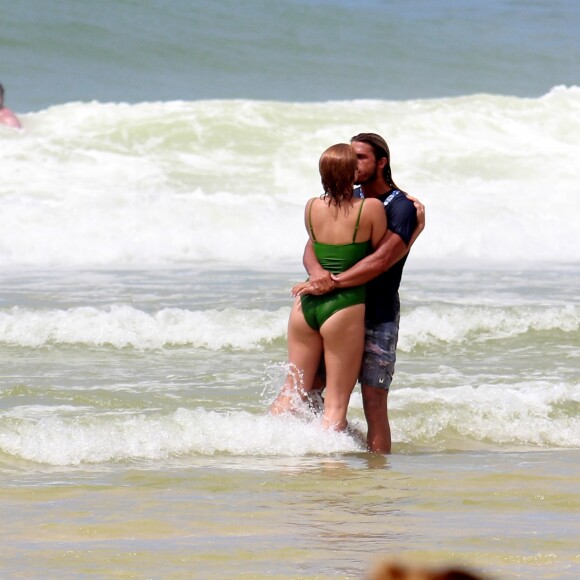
{"type": "Point", "coordinates": [508, 514]}
{"type": "Point", "coordinates": [135, 444]}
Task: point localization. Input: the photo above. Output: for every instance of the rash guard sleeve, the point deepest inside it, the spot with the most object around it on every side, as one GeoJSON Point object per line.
{"type": "Point", "coordinates": [402, 217]}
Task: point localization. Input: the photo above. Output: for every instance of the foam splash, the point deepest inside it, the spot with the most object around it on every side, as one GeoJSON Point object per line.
{"type": "Point", "coordinates": [57, 440]}
{"type": "Point", "coordinates": [525, 415]}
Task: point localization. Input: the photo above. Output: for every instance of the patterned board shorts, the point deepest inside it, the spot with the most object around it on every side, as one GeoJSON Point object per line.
{"type": "Point", "coordinates": [380, 354]}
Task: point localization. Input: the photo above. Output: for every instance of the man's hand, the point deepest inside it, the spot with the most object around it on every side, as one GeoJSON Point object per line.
{"type": "Point", "coordinates": [317, 284]}
{"type": "Point", "coordinates": [319, 281]}
{"type": "Point", "coordinates": [420, 214]}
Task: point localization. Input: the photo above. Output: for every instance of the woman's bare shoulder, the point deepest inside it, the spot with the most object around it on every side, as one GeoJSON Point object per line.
{"type": "Point", "coordinates": [373, 204]}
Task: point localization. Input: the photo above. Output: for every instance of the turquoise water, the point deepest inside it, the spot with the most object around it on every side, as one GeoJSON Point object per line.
{"type": "Point", "coordinates": [151, 228]}
{"type": "Point", "coordinates": [294, 50]}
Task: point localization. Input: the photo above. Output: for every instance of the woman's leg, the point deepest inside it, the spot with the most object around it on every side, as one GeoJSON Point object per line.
{"type": "Point", "coordinates": [304, 352]}
{"type": "Point", "coordinates": [343, 337]}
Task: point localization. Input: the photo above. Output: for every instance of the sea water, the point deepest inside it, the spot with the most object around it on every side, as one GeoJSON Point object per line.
{"type": "Point", "coordinates": [149, 237]}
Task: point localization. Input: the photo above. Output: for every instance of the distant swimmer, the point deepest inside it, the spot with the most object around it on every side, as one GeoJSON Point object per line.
{"type": "Point", "coordinates": [7, 117]}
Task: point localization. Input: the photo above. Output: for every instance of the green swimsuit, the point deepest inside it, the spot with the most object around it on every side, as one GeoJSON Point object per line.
{"type": "Point", "coordinates": [335, 258]}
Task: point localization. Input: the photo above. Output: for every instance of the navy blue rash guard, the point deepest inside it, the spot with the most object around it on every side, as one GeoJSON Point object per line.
{"type": "Point", "coordinates": [382, 303]}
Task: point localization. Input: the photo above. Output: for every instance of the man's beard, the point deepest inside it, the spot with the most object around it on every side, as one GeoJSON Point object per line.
{"type": "Point", "coordinates": [370, 179]}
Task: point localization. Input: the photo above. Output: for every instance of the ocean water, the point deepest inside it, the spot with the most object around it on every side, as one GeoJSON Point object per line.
{"type": "Point", "coordinates": [290, 50]}
{"type": "Point", "coordinates": [151, 229]}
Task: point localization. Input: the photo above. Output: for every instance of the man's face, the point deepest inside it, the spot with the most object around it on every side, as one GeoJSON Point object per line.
{"type": "Point", "coordinates": [367, 164]}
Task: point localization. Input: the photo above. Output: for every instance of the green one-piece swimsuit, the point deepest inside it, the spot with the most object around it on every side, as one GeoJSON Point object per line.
{"type": "Point", "coordinates": [335, 258]}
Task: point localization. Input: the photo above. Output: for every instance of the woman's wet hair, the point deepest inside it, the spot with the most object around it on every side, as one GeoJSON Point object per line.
{"type": "Point", "coordinates": [337, 168]}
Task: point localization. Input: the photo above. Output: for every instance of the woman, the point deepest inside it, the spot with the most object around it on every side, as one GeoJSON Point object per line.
{"type": "Point", "coordinates": [343, 230]}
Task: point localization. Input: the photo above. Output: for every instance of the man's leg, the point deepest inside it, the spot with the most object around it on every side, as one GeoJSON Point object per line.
{"type": "Point", "coordinates": [378, 368]}
{"type": "Point", "coordinates": [376, 414]}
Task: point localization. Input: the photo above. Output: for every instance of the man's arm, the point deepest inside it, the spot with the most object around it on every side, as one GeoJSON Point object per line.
{"type": "Point", "coordinates": [319, 278]}
{"type": "Point", "coordinates": [390, 250]}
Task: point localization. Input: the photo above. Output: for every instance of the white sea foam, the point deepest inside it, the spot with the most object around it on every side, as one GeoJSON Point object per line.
{"type": "Point", "coordinates": [89, 184]}
{"type": "Point", "coordinates": [123, 326]}
{"type": "Point", "coordinates": [524, 415]}
{"type": "Point", "coordinates": [537, 413]}
{"type": "Point", "coordinates": [58, 440]}
{"type": "Point", "coordinates": [447, 323]}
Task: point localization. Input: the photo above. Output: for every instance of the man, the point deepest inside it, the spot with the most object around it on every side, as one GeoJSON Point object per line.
{"type": "Point", "coordinates": [382, 270]}
{"type": "Point", "coordinates": [7, 117]}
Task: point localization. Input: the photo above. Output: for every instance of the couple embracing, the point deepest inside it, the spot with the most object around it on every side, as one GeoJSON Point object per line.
{"type": "Point", "coordinates": [346, 315]}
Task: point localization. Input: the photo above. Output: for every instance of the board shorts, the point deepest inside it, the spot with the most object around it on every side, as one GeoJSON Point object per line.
{"type": "Point", "coordinates": [380, 354]}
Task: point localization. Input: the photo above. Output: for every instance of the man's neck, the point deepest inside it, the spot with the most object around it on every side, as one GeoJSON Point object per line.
{"type": "Point", "coordinates": [375, 188]}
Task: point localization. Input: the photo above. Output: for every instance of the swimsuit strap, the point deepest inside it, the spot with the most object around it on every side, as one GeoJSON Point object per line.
{"type": "Point", "coordinates": [355, 227]}
{"type": "Point", "coordinates": [357, 220]}
{"type": "Point", "coordinates": [310, 221]}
